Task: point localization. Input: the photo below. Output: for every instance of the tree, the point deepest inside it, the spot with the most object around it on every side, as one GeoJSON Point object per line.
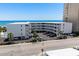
{"type": "Point", "coordinates": [35, 37]}
{"type": "Point", "coordinates": [0, 32]}
{"type": "Point", "coordinates": [59, 33]}
{"type": "Point", "coordinates": [10, 36]}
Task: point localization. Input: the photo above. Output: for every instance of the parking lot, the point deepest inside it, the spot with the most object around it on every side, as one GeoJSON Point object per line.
{"type": "Point", "coordinates": [51, 36]}
{"type": "Point", "coordinates": [45, 36]}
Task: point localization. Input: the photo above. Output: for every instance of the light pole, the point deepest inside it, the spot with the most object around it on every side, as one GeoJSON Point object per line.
{"type": "Point", "coordinates": [42, 49]}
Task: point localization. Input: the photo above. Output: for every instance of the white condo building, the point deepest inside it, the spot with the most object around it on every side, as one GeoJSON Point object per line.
{"type": "Point", "coordinates": [23, 29]}
{"type": "Point", "coordinates": [19, 29]}
{"type": "Point", "coordinates": [53, 27]}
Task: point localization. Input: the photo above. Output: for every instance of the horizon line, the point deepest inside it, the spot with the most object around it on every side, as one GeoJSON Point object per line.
{"type": "Point", "coordinates": [31, 20]}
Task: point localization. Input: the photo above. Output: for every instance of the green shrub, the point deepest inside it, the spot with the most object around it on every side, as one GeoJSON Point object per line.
{"type": "Point", "coordinates": [33, 40]}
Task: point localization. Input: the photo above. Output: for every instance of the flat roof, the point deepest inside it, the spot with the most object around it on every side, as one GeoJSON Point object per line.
{"type": "Point", "coordinates": [20, 23]}
{"type": "Point", "coordinates": [63, 52]}
{"type": "Point", "coordinates": [36, 22]}
{"type": "Point", "coordinates": [50, 22]}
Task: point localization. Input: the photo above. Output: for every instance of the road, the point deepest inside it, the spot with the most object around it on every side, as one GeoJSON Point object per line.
{"type": "Point", "coordinates": [28, 49]}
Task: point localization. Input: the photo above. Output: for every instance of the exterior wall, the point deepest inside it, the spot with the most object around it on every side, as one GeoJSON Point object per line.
{"type": "Point", "coordinates": [27, 30]}
{"type": "Point", "coordinates": [37, 26]}
{"type": "Point", "coordinates": [71, 14]}
{"type": "Point", "coordinates": [15, 29]}
{"type": "Point", "coordinates": [19, 30]}
{"type": "Point", "coordinates": [67, 27]}
{"type": "Point", "coordinates": [52, 27]}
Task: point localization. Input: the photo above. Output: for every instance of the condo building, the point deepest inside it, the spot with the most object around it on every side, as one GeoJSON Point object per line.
{"type": "Point", "coordinates": [71, 14]}
{"type": "Point", "coordinates": [53, 27]}
{"type": "Point", "coordinates": [24, 29]}
{"type": "Point", "coordinates": [19, 29]}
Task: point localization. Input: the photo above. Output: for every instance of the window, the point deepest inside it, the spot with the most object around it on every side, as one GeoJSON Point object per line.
{"type": "Point", "coordinates": [21, 29]}
{"type": "Point", "coordinates": [55, 27]}
{"type": "Point", "coordinates": [55, 30]}
{"type": "Point", "coordinates": [26, 25]}
{"type": "Point", "coordinates": [21, 25]}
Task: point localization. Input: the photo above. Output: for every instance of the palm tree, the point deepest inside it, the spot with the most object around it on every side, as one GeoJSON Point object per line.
{"type": "Point", "coordinates": [35, 35]}
{"type": "Point", "coordinates": [0, 32]}
{"type": "Point", "coordinates": [59, 33]}
{"type": "Point", "coordinates": [35, 38]}
{"type": "Point", "coordinates": [10, 37]}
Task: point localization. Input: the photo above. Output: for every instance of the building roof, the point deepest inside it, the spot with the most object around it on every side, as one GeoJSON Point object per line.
{"type": "Point", "coordinates": [37, 22]}
{"type": "Point", "coordinates": [50, 22]}
{"type": "Point", "coordinates": [20, 23]}
{"type": "Point", "coordinates": [63, 52]}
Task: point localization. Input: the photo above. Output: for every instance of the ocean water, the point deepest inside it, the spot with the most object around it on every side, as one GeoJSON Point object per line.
{"type": "Point", "coordinates": [2, 23]}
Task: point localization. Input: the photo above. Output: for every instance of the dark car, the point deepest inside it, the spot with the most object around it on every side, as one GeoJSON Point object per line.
{"type": "Point", "coordinates": [52, 35]}
{"type": "Point", "coordinates": [62, 37]}
{"type": "Point", "coordinates": [46, 33]}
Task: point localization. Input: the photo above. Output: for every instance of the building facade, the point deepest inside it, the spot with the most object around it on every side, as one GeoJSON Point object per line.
{"type": "Point", "coordinates": [71, 14]}
{"type": "Point", "coordinates": [53, 27]}
{"type": "Point", "coordinates": [22, 29]}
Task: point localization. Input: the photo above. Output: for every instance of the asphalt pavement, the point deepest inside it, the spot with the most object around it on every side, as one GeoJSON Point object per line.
{"type": "Point", "coordinates": [30, 49]}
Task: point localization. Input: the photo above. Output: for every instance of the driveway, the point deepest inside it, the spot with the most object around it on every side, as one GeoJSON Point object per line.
{"type": "Point", "coordinates": [45, 37]}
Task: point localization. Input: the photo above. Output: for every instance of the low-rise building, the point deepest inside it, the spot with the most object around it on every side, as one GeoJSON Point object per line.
{"type": "Point", "coordinates": [53, 27]}
{"type": "Point", "coordinates": [19, 29]}
{"type": "Point", "coordinates": [24, 29]}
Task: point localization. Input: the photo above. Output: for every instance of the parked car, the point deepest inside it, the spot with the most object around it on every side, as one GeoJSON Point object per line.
{"type": "Point", "coordinates": [6, 40]}
{"type": "Point", "coordinates": [45, 33]}
{"type": "Point", "coordinates": [52, 35]}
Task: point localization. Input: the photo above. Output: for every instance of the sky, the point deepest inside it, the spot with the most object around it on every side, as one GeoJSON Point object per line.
{"type": "Point", "coordinates": [31, 11]}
